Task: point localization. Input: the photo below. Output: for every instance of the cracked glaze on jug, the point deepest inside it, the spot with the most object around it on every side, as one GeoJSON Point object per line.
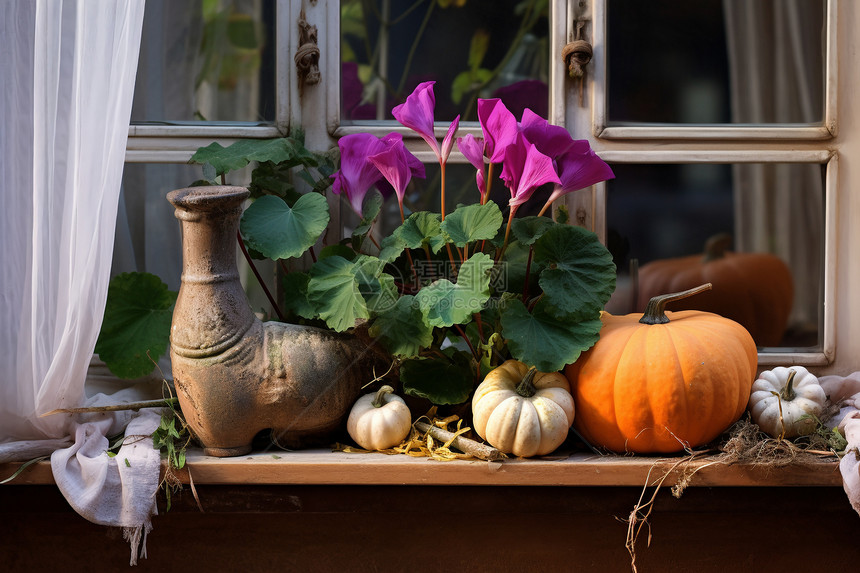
{"type": "Point", "coordinates": [235, 375]}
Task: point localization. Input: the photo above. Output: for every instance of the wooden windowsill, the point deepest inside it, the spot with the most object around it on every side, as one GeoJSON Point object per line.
{"type": "Point", "coordinates": [324, 467]}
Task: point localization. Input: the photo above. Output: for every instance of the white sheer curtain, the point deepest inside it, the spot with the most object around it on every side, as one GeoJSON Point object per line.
{"type": "Point", "coordinates": [777, 76]}
{"type": "Point", "coordinates": [68, 70]}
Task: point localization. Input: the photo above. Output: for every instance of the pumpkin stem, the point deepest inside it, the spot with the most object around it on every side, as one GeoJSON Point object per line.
{"type": "Point", "coordinates": [655, 312]}
{"type": "Point", "coordinates": [716, 246]}
{"type": "Point", "coordinates": [526, 387]}
{"type": "Point", "coordinates": [379, 399]}
{"type": "Point", "coordinates": [788, 394]}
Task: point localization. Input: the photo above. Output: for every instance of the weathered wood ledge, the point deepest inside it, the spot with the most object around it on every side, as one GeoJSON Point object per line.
{"type": "Point", "coordinates": [324, 467]}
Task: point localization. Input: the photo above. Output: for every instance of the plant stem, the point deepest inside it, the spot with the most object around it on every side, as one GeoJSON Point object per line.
{"type": "Point", "coordinates": [528, 272]}
{"type": "Point", "coordinates": [511, 214]}
{"type": "Point", "coordinates": [655, 312]}
{"type": "Point", "coordinates": [545, 207]}
{"type": "Point", "coordinates": [480, 324]}
{"type": "Point", "coordinates": [412, 265]}
{"type": "Point", "coordinates": [379, 399]}
{"type": "Point", "coordinates": [414, 47]}
{"type": "Point", "coordinates": [259, 278]}
{"type": "Point", "coordinates": [526, 23]}
{"type": "Point", "coordinates": [488, 183]}
{"type": "Point", "coordinates": [468, 342]}
{"type": "Point", "coordinates": [465, 445]}
{"type": "Point", "coordinates": [116, 407]}
{"type": "Point", "coordinates": [788, 394]}
{"type": "Point", "coordinates": [442, 172]}
{"type": "Point", "coordinates": [526, 387]}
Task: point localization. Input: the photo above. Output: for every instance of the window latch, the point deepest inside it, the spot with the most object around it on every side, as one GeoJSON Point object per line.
{"type": "Point", "coordinates": [576, 55]}
{"type": "Point", "coordinates": [307, 56]}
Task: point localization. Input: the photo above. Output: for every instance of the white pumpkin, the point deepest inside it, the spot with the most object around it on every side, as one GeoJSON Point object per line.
{"type": "Point", "coordinates": [784, 400]}
{"type": "Point", "coordinates": [521, 411]}
{"type": "Point", "coordinates": [379, 420]}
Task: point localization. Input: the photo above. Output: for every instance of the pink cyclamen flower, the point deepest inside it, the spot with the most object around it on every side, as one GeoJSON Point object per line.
{"type": "Point", "coordinates": [416, 113]}
{"type": "Point", "coordinates": [579, 167]}
{"type": "Point", "coordinates": [448, 141]}
{"type": "Point", "coordinates": [472, 149]}
{"type": "Point", "coordinates": [552, 140]}
{"type": "Point", "coordinates": [499, 126]}
{"type": "Point", "coordinates": [397, 165]}
{"type": "Point", "coordinates": [357, 174]}
{"type": "Point", "coordinates": [525, 170]}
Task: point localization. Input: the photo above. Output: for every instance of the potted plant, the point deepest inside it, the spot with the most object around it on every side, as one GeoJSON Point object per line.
{"type": "Point", "coordinates": [448, 296]}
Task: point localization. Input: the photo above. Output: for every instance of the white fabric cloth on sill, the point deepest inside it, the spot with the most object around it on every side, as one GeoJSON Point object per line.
{"type": "Point", "coordinates": [846, 392]}
{"type": "Point", "coordinates": [68, 69]}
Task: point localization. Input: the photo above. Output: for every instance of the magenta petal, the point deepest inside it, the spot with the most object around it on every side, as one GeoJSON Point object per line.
{"type": "Point", "coordinates": [415, 164]}
{"type": "Point", "coordinates": [416, 113]}
{"type": "Point", "coordinates": [552, 140]}
{"type": "Point", "coordinates": [448, 142]}
{"type": "Point", "coordinates": [357, 175]}
{"type": "Point", "coordinates": [499, 126]}
{"type": "Point", "coordinates": [394, 167]}
{"type": "Point", "coordinates": [472, 149]}
{"type": "Point", "coordinates": [525, 170]}
{"type": "Point", "coordinates": [580, 167]}
{"type": "Point", "coordinates": [480, 182]}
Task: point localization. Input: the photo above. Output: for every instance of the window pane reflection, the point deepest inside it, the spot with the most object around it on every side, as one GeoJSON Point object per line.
{"type": "Point", "coordinates": [479, 48]}
{"type": "Point", "coordinates": [716, 61]}
{"type": "Point", "coordinates": [665, 212]}
{"type": "Point", "coordinates": [206, 60]}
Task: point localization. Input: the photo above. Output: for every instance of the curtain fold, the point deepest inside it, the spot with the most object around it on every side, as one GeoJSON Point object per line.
{"type": "Point", "coordinates": [777, 77]}
{"type": "Point", "coordinates": [68, 69]}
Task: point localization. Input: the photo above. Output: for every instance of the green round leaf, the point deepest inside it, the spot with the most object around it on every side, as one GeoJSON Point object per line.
{"type": "Point", "coordinates": [295, 286]}
{"type": "Point", "coordinates": [578, 276]}
{"type": "Point", "coordinates": [278, 231]}
{"type": "Point", "coordinates": [370, 208]}
{"type": "Point", "coordinates": [473, 223]}
{"type": "Point", "coordinates": [137, 319]}
{"type": "Point", "coordinates": [402, 329]}
{"type": "Point", "coordinates": [527, 230]}
{"type": "Point", "coordinates": [541, 340]}
{"type": "Point", "coordinates": [445, 303]}
{"type": "Point", "coordinates": [420, 229]}
{"type": "Point", "coordinates": [334, 292]}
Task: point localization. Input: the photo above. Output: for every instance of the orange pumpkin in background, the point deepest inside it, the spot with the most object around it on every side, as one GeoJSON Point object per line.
{"type": "Point", "coordinates": [754, 289]}
{"type": "Point", "coordinates": [660, 382]}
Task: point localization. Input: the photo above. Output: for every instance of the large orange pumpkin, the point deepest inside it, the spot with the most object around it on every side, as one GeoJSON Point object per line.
{"type": "Point", "coordinates": [754, 289]}
{"type": "Point", "coordinates": [660, 381]}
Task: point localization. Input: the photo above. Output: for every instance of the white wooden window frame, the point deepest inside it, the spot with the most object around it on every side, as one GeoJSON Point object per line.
{"type": "Point", "coordinates": [318, 111]}
{"type": "Point", "coordinates": [603, 129]}
{"type": "Point", "coordinates": [711, 144]}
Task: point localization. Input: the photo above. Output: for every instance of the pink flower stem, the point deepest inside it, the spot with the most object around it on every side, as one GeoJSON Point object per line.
{"type": "Point", "coordinates": [259, 278]}
{"type": "Point", "coordinates": [408, 253]}
{"type": "Point", "coordinates": [545, 207]}
{"type": "Point", "coordinates": [468, 343]}
{"type": "Point", "coordinates": [528, 272]}
{"type": "Point", "coordinates": [507, 232]}
{"type": "Point", "coordinates": [442, 173]}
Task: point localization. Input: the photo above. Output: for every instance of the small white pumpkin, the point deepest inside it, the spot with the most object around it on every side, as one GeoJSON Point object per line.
{"type": "Point", "coordinates": [780, 399]}
{"type": "Point", "coordinates": [379, 420]}
{"type": "Point", "coordinates": [521, 411]}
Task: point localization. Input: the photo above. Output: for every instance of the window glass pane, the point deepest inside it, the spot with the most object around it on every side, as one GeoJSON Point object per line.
{"type": "Point", "coordinates": [475, 48]}
{"type": "Point", "coordinates": [716, 61]}
{"type": "Point", "coordinates": [765, 222]}
{"type": "Point", "coordinates": [206, 60]}
{"type": "Point", "coordinates": [148, 238]}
